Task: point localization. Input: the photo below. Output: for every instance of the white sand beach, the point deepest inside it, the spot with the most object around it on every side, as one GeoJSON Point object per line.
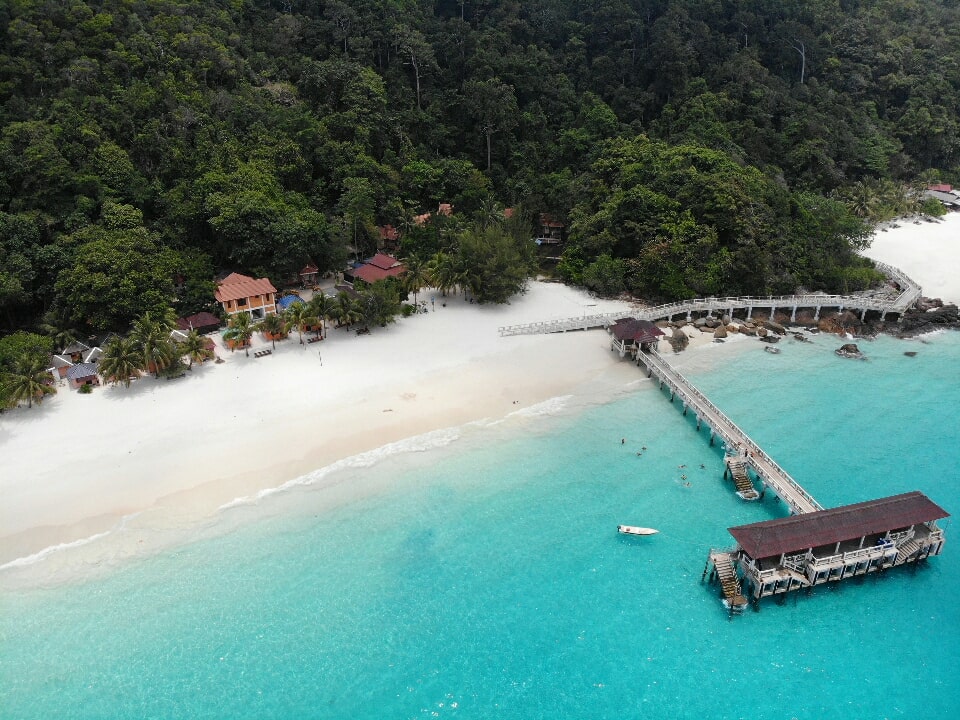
{"type": "Point", "coordinates": [929, 252]}
{"type": "Point", "coordinates": [172, 452]}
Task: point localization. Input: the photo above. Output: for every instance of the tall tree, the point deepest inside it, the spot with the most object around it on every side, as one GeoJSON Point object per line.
{"type": "Point", "coordinates": [322, 306]}
{"type": "Point", "coordinates": [416, 275]}
{"type": "Point", "coordinates": [239, 331]}
{"type": "Point", "coordinates": [494, 106]}
{"type": "Point", "coordinates": [300, 316]}
{"type": "Point", "coordinates": [193, 347]}
{"type": "Point", "coordinates": [121, 361]}
{"type": "Point", "coordinates": [274, 326]}
{"type": "Point", "coordinates": [151, 333]}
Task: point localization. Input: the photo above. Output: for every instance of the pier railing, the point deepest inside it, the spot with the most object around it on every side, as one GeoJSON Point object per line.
{"type": "Point", "coordinates": [871, 300]}
{"type": "Point", "coordinates": [766, 467]}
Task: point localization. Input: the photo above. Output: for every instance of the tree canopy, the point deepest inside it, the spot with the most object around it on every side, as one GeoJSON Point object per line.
{"type": "Point", "coordinates": [259, 135]}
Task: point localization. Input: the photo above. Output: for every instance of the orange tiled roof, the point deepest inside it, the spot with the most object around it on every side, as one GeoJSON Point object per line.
{"type": "Point", "coordinates": [236, 286]}
{"type": "Point", "coordinates": [383, 261]}
{"type": "Point", "coordinates": [445, 209]}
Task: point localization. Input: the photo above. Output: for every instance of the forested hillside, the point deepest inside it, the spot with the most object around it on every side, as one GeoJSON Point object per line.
{"type": "Point", "coordinates": [691, 146]}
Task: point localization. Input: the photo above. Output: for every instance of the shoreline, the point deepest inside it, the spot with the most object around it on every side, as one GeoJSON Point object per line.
{"type": "Point", "coordinates": [174, 453]}
{"type": "Point", "coordinates": [169, 456]}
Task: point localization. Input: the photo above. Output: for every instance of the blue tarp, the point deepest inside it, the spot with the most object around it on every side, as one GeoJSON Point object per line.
{"type": "Point", "coordinates": [285, 302]}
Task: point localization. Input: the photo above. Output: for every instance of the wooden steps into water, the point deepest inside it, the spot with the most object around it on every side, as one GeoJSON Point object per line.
{"type": "Point", "coordinates": [906, 550]}
{"type": "Point", "coordinates": [745, 488]}
{"type": "Point", "coordinates": [729, 581]}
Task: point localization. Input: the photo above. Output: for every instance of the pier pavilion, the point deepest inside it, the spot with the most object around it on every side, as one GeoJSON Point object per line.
{"type": "Point", "coordinates": [802, 551]}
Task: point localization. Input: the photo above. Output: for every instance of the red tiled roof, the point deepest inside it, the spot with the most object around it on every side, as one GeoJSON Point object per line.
{"type": "Point", "coordinates": [388, 232]}
{"type": "Point", "coordinates": [372, 273]}
{"type": "Point", "coordinates": [383, 261]}
{"type": "Point", "coordinates": [508, 213]}
{"type": "Point", "coordinates": [642, 331]}
{"type": "Point", "coordinates": [548, 221]}
{"type": "Point", "coordinates": [826, 527]}
{"type": "Point", "coordinates": [236, 286]}
{"type": "Point", "coordinates": [445, 209]}
{"type": "Point", "coordinates": [200, 320]}
{"type": "Point", "coordinates": [942, 187]}
{"type": "Point", "coordinates": [310, 269]}
{"type": "Point", "coordinates": [421, 219]}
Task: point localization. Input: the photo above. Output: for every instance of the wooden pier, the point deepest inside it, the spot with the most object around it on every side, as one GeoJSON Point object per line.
{"type": "Point", "coordinates": [747, 453]}
{"type": "Point", "coordinates": [812, 546]}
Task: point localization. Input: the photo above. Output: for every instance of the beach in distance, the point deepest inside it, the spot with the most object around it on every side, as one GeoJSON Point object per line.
{"type": "Point", "coordinates": [166, 455]}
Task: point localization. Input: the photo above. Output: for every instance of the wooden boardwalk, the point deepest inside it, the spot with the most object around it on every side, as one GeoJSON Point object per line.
{"type": "Point", "coordinates": [748, 452]}
{"type": "Point", "coordinates": [882, 303]}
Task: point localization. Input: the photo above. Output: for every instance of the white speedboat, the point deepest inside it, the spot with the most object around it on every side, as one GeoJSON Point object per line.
{"type": "Point", "coordinates": [633, 530]}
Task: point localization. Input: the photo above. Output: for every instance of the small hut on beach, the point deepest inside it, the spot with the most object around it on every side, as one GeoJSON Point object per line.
{"type": "Point", "coordinates": [83, 374]}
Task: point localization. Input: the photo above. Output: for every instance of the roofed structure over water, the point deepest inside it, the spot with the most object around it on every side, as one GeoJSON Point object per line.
{"type": "Point", "coordinates": [801, 551]}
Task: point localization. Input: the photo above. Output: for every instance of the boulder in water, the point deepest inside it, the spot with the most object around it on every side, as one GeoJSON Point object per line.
{"type": "Point", "coordinates": [775, 327]}
{"type": "Point", "coordinates": [720, 332]}
{"type": "Point", "coordinates": [849, 350]}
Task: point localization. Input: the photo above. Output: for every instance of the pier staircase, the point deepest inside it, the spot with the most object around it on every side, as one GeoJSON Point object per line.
{"type": "Point", "coordinates": [738, 470]}
{"type": "Point", "coordinates": [906, 550]}
{"type": "Point", "coordinates": [729, 582]}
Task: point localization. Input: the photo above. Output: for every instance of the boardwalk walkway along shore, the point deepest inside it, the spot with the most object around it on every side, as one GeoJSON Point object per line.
{"type": "Point", "coordinates": [813, 545]}
{"type": "Point", "coordinates": [909, 294]}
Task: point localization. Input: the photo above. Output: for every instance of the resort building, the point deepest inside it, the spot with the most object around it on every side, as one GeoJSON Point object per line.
{"type": "Point", "coordinates": [378, 267]}
{"type": "Point", "coordinates": [550, 231]}
{"type": "Point", "coordinates": [202, 322]}
{"type": "Point", "coordinates": [240, 293]}
{"type": "Point", "coordinates": [309, 275]}
{"type": "Point", "coordinates": [77, 353]}
{"type": "Point", "coordinates": [946, 195]}
{"type": "Point", "coordinates": [82, 374]}
{"type": "Point", "coordinates": [389, 238]}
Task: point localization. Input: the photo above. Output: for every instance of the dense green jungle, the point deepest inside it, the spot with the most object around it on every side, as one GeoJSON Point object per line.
{"type": "Point", "coordinates": [690, 147]}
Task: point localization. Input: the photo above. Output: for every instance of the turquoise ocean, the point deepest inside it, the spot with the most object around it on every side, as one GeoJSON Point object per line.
{"type": "Point", "coordinates": [482, 575]}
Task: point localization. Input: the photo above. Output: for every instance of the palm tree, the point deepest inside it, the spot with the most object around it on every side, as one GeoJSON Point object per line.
{"type": "Point", "coordinates": [57, 325]}
{"type": "Point", "coordinates": [417, 276]}
{"type": "Point", "coordinates": [28, 380]}
{"type": "Point", "coordinates": [193, 347]}
{"type": "Point", "coordinates": [347, 310]}
{"type": "Point", "coordinates": [273, 326]}
{"type": "Point", "coordinates": [121, 360]}
{"type": "Point", "coordinates": [239, 331]}
{"type": "Point", "coordinates": [299, 316]}
{"type": "Point", "coordinates": [152, 334]}
{"type": "Point", "coordinates": [322, 306]}
{"type": "Point", "coordinates": [443, 271]}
